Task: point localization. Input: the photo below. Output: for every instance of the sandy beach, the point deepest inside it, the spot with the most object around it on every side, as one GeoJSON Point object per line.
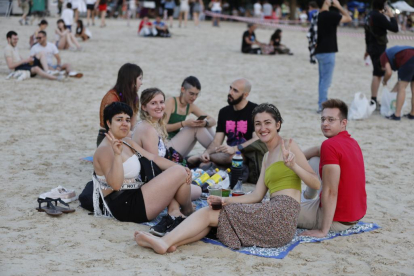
{"type": "Point", "coordinates": [48, 126]}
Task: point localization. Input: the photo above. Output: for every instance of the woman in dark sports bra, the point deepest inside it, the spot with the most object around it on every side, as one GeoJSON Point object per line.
{"type": "Point", "coordinates": [184, 133]}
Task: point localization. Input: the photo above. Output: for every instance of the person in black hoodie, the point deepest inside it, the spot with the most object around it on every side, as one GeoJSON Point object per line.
{"type": "Point", "coordinates": [376, 26]}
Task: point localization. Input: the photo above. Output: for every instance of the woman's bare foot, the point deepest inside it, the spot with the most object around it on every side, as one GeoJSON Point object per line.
{"type": "Point", "coordinates": [172, 249]}
{"type": "Point", "coordinates": [149, 241]}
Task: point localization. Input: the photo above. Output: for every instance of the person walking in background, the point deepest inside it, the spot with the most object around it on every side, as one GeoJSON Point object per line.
{"type": "Point", "coordinates": [376, 26]}
{"type": "Point", "coordinates": [267, 10]}
{"type": "Point", "coordinates": [197, 10]}
{"type": "Point", "coordinates": [184, 9]}
{"type": "Point", "coordinates": [67, 16]}
{"type": "Point", "coordinates": [215, 6]}
{"type": "Point", "coordinates": [327, 45]}
{"type": "Point", "coordinates": [25, 6]}
{"type": "Point", "coordinates": [102, 6]}
{"type": "Point", "coordinates": [90, 12]}
{"type": "Point", "coordinates": [169, 7]}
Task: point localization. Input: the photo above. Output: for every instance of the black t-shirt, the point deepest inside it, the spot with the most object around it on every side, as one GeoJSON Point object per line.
{"type": "Point", "coordinates": [246, 47]}
{"type": "Point", "coordinates": [237, 125]}
{"type": "Point", "coordinates": [276, 40]}
{"type": "Point", "coordinates": [327, 23]}
{"type": "Point", "coordinates": [379, 25]}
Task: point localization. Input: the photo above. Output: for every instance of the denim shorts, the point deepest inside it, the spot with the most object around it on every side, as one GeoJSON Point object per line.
{"type": "Point", "coordinates": [406, 72]}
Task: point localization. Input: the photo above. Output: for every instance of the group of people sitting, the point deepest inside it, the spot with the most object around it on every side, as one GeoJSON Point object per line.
{"type": "Point", "coordinates": [156, 29]}
{"type": "Point", "coordinates": [274, 47]}
{"type": "Point", "coordinates": [43, 53]}
{"type": "Point", "coordinates": [243, 221]}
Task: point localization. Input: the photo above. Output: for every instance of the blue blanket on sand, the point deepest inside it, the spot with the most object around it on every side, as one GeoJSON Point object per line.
{"type": "Point", "coordinates": [281, 252]}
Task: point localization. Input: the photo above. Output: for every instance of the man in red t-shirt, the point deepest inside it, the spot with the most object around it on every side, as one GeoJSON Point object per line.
{"type": "Point", "coordinates": [343, 200]}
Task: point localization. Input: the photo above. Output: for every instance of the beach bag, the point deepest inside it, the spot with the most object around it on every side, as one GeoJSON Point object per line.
{"type": "Point", "coordinates": [173, 155]}
{"type": "Point", "coordinates": [253, 156]}
{"type": "Point", "coordinates": [86, 198]}
{"type": "Point", "coordinates": [361, 107]}
{"type": "Point", "coordinates": [388, 102]}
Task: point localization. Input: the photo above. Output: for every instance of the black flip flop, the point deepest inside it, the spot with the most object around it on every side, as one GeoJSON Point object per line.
{"type": "Point", "coordinates": [49, 209]}
{"type": "Point", "coordinates": [62, 209]}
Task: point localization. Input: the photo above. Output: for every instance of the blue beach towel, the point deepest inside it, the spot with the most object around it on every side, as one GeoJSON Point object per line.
{"type": "Point", "coordinates": [280, 252]}
{"type": "Point", "coordinates": [88, 158]}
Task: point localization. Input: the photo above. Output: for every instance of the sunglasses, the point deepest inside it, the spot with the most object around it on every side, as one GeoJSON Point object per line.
{"type": "Point", "coordinates": [39, 37]}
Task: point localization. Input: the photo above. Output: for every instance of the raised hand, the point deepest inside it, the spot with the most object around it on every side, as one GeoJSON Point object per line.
{"type": "Point", "coordinates": [288, 156]}
{"type": "Point", "coordinates": [117, 145]}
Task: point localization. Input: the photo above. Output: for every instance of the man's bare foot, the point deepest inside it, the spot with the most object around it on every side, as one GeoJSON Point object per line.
{"type": "Point", "coordinates": [149, 241]}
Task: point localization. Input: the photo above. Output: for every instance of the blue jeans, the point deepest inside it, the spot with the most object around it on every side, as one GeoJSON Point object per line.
{"type": "Point", "coordinates": [326, 63]}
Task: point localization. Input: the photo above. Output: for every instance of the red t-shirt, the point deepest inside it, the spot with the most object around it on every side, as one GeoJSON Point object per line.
{"type": "Point", "coordinates": [344, 151]}
{"type": "Point", "coordinates": [400, 58]}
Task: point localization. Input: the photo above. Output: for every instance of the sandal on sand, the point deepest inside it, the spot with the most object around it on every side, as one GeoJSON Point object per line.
{"type": "Point", "coordinates": [49, 209]}
{"type": "Point", "coordinates": [59, 208]}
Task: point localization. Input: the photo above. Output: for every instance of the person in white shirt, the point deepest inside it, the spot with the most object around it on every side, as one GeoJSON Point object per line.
{"type": "Point", "coordinates": [34, 64]}
{"type": "Point", "coordinates": [67, 16]}
{"type": "Point", "coordinates": [51, 51]}
{"type": "Point", "coordinates": [257, 7]}
{"type": "Point", "coordinates": [267, 10]}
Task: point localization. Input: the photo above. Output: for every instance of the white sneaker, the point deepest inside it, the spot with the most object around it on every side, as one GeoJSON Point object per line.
{"type": "Point", "coordinates": [60, 78]}
{"type": "Point", "coordinates": [53, 73]}
{"type": "Point", "coordinates": [62, 193]}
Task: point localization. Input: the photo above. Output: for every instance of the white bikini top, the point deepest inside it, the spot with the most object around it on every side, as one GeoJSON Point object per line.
{"type": "Point", "coordinates": [132, 168]}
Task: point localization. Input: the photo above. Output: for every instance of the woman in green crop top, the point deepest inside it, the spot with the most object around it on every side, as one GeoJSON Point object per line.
{"type": "Point", "coordinates": [182, 133]}
{"type": "Point", "coordinates": [246, 220]}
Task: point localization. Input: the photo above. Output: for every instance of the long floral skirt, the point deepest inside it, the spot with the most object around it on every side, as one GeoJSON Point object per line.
{"type": "Point", "coordinates": [269, 224]}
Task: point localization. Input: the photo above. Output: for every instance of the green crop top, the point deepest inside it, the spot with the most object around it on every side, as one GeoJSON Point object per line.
{"type": "Point", "coordinates": [176, 118]}
{"type": "Point", "coordinates": [279, 177]}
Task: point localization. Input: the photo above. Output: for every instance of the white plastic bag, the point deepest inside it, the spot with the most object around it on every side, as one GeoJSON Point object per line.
{"type": "Point", "coordinates": [225, 183]}
{"type": "Point", "coordinates": [388, 102]}
{"type": "Point", "coordinates": [361, 107]}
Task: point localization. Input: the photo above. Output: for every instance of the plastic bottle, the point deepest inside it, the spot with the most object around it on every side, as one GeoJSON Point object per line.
{"type": "Point", "coordinates": [203, 178]}
{"type": "Point", "coordinates": [196, 173]}
{"type": "Point", "coordinates": [218, 177]}
{"type": "Point", "coordinates": [237, 191]}
{"type": "Point", "coordinates": [236, 169]}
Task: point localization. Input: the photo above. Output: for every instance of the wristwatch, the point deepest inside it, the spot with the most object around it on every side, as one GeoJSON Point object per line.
{"type": "Point", "coordinates": [240, 147]}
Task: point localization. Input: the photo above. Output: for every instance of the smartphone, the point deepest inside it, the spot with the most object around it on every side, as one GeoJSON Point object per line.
{"type": "Point", "coordinates": [202, 117]}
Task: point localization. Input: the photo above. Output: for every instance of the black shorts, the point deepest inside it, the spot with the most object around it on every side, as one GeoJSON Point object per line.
{"type": "Point", "coordinates": [28, 66]}
{"type": "Point", "coordinates": [90, 7]}
{"type": "Point", "coordinates": [406, 72]}
{"type": "Point", "coordinates": [128, 206]}
{"type": "Point", "coordinates": [376, 64]}
{"type": "Point", "coordinates": [170, 12]}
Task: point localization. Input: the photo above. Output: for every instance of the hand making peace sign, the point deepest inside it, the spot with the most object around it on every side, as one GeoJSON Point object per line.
{"type": "Point", "coordinates": [117, 145]}
{"type": "Point", "coordinates": [288, 156]}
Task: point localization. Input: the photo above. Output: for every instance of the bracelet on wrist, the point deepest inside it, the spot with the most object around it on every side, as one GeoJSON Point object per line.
{"type": "Point", "coordinates": [207, 124]}
{"type": "Point", "coordinates": [182, 124]}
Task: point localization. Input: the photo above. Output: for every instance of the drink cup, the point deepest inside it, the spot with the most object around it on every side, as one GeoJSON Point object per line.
{"type": "Point", "coordinates": [225, 192]}
{"type": "Point", "coordinates": [215, 190]}
{"type": "Point", "coordinates": [216, 203]}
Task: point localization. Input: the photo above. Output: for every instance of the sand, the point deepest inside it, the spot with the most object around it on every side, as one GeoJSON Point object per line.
{"type": "Point", "coordinates": [48, 126]}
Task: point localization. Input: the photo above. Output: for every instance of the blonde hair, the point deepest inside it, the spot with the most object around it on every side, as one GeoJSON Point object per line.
{"type": "Point", "coordinates": [146, 96]}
